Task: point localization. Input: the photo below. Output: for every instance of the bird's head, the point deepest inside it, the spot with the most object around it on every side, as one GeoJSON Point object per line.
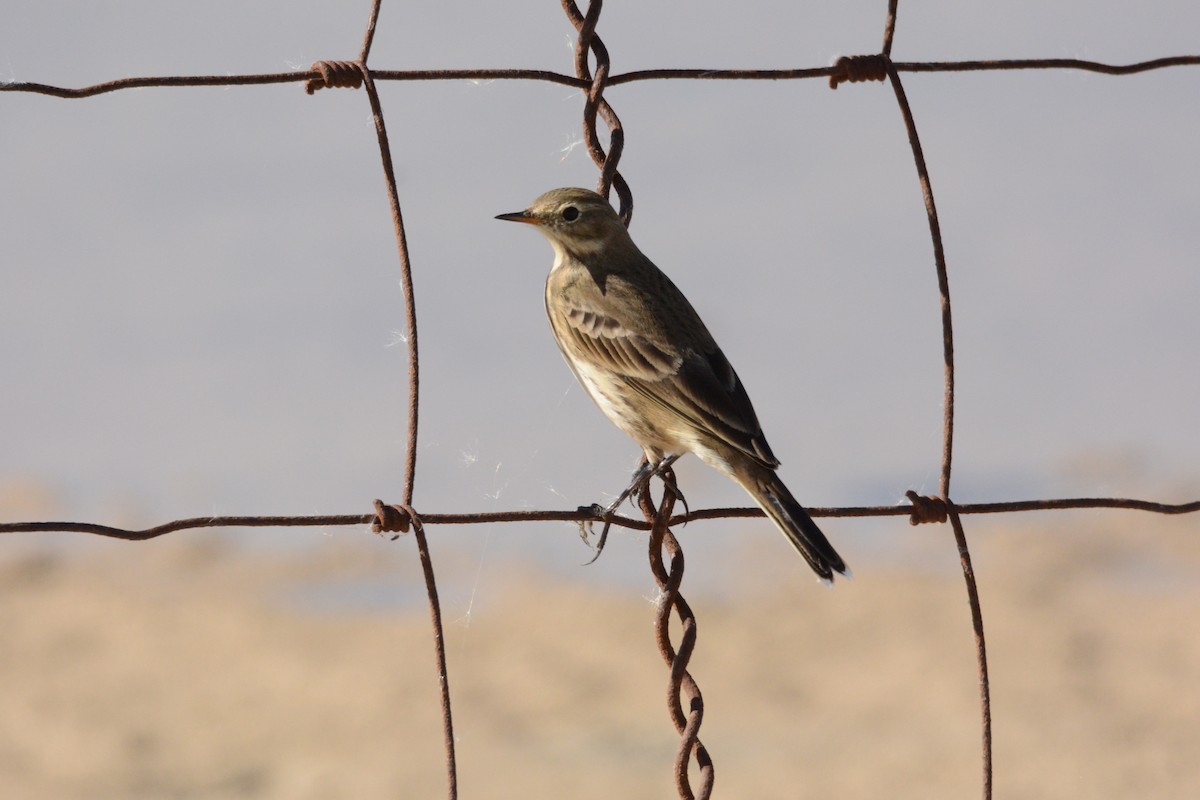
{"type": "Point", "coordinates": [578, 221]}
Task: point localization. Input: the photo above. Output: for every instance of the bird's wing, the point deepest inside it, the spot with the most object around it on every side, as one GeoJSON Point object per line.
{"type": "Point", "coordinates": [700, 388]}
{"type": "Point", "coordinates": [708, 393]}
{"type": "Point", "coordinates": [604, 342]}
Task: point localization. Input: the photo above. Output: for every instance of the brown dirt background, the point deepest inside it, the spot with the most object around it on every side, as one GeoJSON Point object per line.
{"type": "Point", "coordinates": [185, 668]}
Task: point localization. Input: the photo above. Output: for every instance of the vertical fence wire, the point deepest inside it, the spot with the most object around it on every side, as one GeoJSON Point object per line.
{"type": "Point", "coordinates": [414, 385]}
{"type": "Point", "coordinates": [960, 538]}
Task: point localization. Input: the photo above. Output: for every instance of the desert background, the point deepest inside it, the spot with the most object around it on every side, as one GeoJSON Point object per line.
{"type": "Point", "coordinates": [188, 667]}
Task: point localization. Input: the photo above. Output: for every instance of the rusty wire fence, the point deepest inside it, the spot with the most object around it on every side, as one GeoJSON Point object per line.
{"type": "Point", "coordinates": [693, 768]}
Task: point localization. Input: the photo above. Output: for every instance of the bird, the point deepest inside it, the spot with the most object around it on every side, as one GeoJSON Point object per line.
{"type": "Point", "coordinates": [646, 358]}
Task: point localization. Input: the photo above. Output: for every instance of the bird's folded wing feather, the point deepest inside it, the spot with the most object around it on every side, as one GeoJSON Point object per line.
{"type": "Point", "coordinates": [701, 388]}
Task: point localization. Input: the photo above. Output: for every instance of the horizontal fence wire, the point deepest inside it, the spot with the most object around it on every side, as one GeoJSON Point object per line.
{"type": "Point", "coordinates": [619, 79]}
{"type": "Point", "coordinates": [668, 571]}
{"type": "Point", "coordinates": [915, 513]}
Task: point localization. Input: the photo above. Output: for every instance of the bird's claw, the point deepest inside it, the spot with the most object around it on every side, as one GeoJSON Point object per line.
{"type": "Point", "coordinates": [638, 487]}
{"type": "Point", "coordinates": [585, 525]}
{"type": "Point", "coordinates": [586, 530]}
{"type": "Point", "coordinates": [672, 487]}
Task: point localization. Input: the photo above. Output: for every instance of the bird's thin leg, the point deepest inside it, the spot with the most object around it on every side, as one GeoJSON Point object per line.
{"type": "Point", "coordinates": [638, 484]}
{"type": "Point", "coordinates": [641, 476]}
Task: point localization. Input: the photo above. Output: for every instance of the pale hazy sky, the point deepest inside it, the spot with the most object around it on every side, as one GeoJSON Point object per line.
{"type": "Point", "coordinates": [199, 289]}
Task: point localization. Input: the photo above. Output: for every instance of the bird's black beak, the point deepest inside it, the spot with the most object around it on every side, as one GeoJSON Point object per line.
{"type": "Point", "coordinates": [519, 216]}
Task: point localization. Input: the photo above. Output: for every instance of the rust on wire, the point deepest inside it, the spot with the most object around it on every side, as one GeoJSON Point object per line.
{"type": "Point", "coordinates": [392, 519]}
{"type": "Point", "coordinates": [681, 686]}
{"type": "Point", "coordinates": [876, 67]}
{"type": "Point", "coordinates": [960, 539]}
{"type": "Point", "coordinates": [856, 69]}
{"type": "Point", "coordinates": [889, 30]}
{"type": "Point", "coordinates": [336, 75]}
{"type": "Point", "coordinates": [635, 76]}
{"type": "Point", "coordinates": [1046, 63]}
{"type": "Point", "coordinates": [355, 74]}
{"type": "Point", "coordinates": [582, 515]}
{"type": "Point", "coordinates": [985, 684]}
{"type": "Point", "coordinates": [925, 509]}
{"type": "Point", "coordinates": [588, 41]}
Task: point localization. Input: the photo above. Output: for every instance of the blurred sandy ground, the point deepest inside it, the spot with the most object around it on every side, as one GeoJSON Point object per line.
{"type": "Point", "coordinates": [189, 668]}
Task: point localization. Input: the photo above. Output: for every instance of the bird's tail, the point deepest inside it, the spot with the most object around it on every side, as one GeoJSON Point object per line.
{"type": "Point", "coordinates": [793, 521]}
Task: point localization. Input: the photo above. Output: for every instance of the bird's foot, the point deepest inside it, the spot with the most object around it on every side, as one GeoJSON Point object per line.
{"type": "Point", "coordinates": [663, 471]}
{"type": "Point", "coordinates": [638, 485]}
{"type": "Point", "coordinates": [586, 530]}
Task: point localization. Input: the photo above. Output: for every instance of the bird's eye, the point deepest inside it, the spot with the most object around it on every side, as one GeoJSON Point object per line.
{"type": "Point", "coordinates": [570, 213]}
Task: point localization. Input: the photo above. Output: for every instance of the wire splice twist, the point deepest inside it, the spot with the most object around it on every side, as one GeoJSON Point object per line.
{"type": "Point", "coordinates": [926, 509]}
{"type": "Point", "coordinates": [335, 75]}
{"type": "Point", "coordinates": [395, 519]}
{"type": "Point", "coordinates": [857, 69]}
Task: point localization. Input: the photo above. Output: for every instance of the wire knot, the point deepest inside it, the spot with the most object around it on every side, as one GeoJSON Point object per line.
{"type": "Point", "coordinates": [926, 509]}
{"type": "Point", "coordinates": [857, 69]}
{"type": "Point", "coordinates": [335, 75]}
{"type": "Point", "coordinates": [393, 519]}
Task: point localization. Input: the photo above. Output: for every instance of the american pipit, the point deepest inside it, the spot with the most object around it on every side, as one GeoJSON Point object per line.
{"type": "Point", "coordinates": [643, 354]}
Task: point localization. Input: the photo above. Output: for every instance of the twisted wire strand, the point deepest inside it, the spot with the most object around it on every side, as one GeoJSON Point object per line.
{"type": "Point", "coordinates": [610, 178]}
{"type": "Point", "coordinates": [681, 684]}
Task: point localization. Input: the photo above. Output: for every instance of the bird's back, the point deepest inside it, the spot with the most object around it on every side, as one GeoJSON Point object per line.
{"type": "Point", "coordinates": [646, 358]}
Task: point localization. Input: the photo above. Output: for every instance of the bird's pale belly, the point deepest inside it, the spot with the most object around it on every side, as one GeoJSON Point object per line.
{"type": "Point", "coordinates": [627, 410]}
